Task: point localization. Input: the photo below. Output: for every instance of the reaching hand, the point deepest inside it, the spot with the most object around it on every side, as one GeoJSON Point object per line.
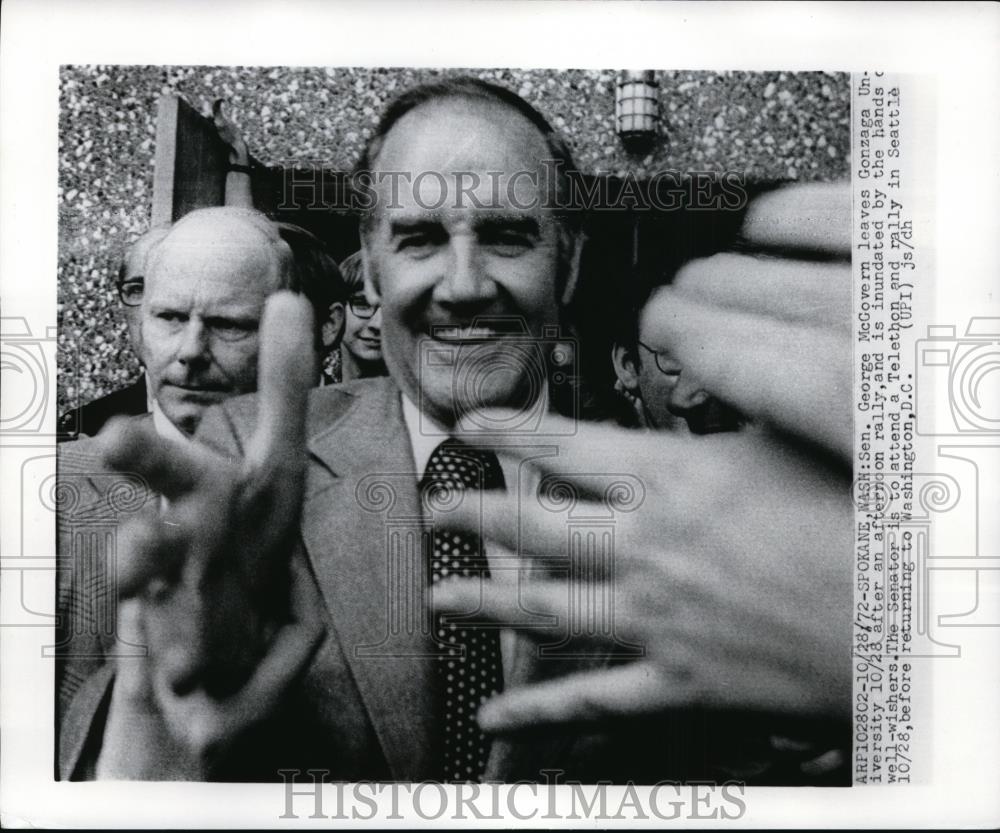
{"type": "Point", "coordinates": [206, 575]}
{"type": "Point", "coordinates": [230, 134]}
{"type": "Point", "coordinates": [734, 573]}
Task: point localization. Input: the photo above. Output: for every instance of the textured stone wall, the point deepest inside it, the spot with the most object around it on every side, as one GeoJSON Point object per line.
{"type": "Point", "coordinates": [769, 125]}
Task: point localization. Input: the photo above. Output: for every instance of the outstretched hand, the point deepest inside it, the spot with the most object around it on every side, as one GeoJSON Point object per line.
{"type": "Point", "coordinates": [206, 577]}
{"type": "Point", "coordinates": [239, 154]}
{"type": "Point", "coordinates": [734, 573]}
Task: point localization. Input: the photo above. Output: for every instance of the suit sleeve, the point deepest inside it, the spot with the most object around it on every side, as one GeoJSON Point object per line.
{"type": "Point", "coordinates": [91, 504]}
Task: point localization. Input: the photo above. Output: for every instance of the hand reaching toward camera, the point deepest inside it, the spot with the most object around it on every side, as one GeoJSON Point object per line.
{"type": "Point", "coordinates": [734, 573]}
{"type": "Point", "coordinates": [239, 188]}
{"type": "Point", "coordinates": [239, 154]}
{"type": "Point", "coordinates": [205, 576]}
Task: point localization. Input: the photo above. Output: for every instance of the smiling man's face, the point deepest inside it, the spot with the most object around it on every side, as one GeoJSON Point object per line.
{"type": "Point", "coordinates": [466, 272]}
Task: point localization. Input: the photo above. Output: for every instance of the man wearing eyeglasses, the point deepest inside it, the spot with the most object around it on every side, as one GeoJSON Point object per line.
{"type": "Point", "coordinates": [361, 349]}
{"type": "Point", "coordinates": [262, 591]}
{"type": "Point", "coordinates": [663, 396]}
{"type": "Point", "coordinates": [132, 400]}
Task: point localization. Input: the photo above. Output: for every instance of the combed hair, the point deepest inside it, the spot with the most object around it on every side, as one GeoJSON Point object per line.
{"type": "Point", "coordinates": [353, 271]}
{"type": "Point", "coordinates": [156, 233]}
{"type": "Point", "coordinates": [316, 274]}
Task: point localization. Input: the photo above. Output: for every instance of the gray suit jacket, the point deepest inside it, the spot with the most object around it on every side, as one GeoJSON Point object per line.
{"type": "Point", "coordinates": [366, 707]}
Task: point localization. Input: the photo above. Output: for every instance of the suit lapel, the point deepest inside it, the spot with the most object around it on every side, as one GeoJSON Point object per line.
{"type": "Point", "coordinates": [363, 531]}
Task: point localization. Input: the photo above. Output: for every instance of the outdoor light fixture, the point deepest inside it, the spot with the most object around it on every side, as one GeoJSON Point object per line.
{"type": "Point", "coordinates": [637, 108]}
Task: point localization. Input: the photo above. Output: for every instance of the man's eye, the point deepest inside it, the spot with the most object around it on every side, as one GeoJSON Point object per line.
{"type": "Point", "coordinates": [171, 317]}
{"type": "Point", "coordinates": [232, 330]}
{"type": "Point", "coordinates": [421, 242]}
{"type": "Point", "coordinates": [507, 243]}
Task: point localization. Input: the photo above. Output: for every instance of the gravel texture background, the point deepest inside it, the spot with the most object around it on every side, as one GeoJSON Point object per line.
{"type": "Point", "coordinates": [769, 125]}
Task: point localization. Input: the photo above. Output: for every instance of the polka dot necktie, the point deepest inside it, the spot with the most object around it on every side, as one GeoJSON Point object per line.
{"type": "Point", "coordinates": [469, 666]}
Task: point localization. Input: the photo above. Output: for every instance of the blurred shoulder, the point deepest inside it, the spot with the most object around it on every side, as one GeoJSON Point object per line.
{"type": "Point", "coordinates": [88, 420]}
{"type": "Point", "coordinates": [238, 416]}
{"type": "Point", "coordinates": [84, 454]}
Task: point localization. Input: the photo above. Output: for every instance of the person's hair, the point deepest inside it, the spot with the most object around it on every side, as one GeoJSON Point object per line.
{"type": "Point", "coordinates": [627, 308]}
{"type": "Point", "coordinates": [353, 271]}
{"type": "Point", "coordinates": [155, 234]}
{"type": "Point", "coordinates": [316, 274]}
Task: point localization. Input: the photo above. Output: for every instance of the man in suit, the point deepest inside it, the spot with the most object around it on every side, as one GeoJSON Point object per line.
{"type": "Point", "coordinates": [132, 400]}
{"type": "Point", "coordinates": [202, 302]}
{"type": "Point", "coordinates": [281, 590]}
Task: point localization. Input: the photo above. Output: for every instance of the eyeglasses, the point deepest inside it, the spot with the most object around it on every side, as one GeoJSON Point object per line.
{"type": "Point", "coordinates": [361, 308]}
{"type": "Point", "coordinates": [664, 363]}
{"type": "Point", "coordinates": [130, 291]}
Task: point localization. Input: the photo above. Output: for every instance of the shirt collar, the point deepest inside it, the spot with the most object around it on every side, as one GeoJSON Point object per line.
{"type": "Point", "coordinates": [427, 434]}
{"type": "Point", "coordinates": [422, 441]}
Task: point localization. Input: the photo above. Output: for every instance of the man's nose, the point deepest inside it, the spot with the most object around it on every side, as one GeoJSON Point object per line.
{"type": "Point", "coordinates": [193, 344]}
{"type": "Point", "coordinates": [375, 322]}
{"type": "Point", "coordinates": [466, 280]}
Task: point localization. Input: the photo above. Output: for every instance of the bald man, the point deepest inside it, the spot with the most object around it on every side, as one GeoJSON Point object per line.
{"type": "Point", "coordinates": [202, 302]}
{"type": "Point", "coordinates": [132, 400]}
{"type": "Point", "coordinates": [205, 291]}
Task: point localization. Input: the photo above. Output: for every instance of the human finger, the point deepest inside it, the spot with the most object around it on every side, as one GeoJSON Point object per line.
{"type": "Point", "coordinates": [525, 524]}
{"type": "Point", "coordinates": [132, 674]}
{"type": "Point", "coordinates": [216, 723]}
{"type": "Point", "coordinates": [637, 688]}
{"type": "Point", "coordinates": [293, 647]}
{"type": "Point", "coordinates": [590, 448]}
{"type": "Point", "coordinates": [811, 293]}
{"type": "Point", "coordinates": [150, 549]}
{"type": "Point", "coordinates": [795, 377]}
{"type": "Point", "coordinates": [812, 216]}
{"type": "Point", "coordinates": [133, 447]}
{"type": "Point", "coordinates": [286, 372]}
{"type": "Point", "coordinates": [588, 613]}
{"type": "Point", "coordinates": [647, 688]}
{"type": "Point", "coordinates": [536, 609]}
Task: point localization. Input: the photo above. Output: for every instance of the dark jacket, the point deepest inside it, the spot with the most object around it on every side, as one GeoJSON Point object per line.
{"type": "Point", "coordinates": [89, 419]}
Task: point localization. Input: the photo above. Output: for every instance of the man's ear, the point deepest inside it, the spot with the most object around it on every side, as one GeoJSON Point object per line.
{"type": "Point", "coordinates": [576, 242]}
{"type": "Point", "coordinates": [332, 330]}
{"type": "Point", "coordinates": [624, 361]}
{"type": "Point", "coordinates": [372, 291]}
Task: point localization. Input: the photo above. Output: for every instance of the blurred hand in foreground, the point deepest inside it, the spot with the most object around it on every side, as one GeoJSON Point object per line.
{"type": "Point", "coordinates": [206, 578]}
{"type": "Point", "coordinates": [239, 153]}
{"type": "Point", "coordinates": [734, 574]}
